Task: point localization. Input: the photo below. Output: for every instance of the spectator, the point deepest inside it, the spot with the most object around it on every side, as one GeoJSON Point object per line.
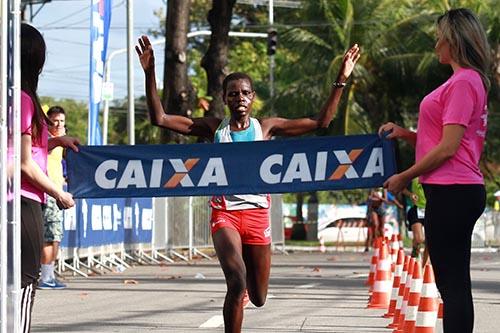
{"type": "Point", "coordinates": [449, 141]}
{"type": "Point", "coordinates": [34, 180]}
{"type": "Point", "coordinates": [52, 215]}
{"type": "Point", "coordinates": [415, 218]}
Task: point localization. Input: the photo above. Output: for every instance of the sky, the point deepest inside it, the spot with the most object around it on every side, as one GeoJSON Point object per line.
{"type": "Point", "coordinates": [65, 27]}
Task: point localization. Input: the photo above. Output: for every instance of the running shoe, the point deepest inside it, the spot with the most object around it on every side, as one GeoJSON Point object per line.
{"type": "Point", "coordinates": [246, 299]}
{"type": "Point", "coordinates": [53, 284]}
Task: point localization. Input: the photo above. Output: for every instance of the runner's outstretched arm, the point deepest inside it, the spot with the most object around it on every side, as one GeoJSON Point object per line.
{"type": "Point", "coordinates": [292, 127]}
{"type": "Point", "coordinates": [203, 127]}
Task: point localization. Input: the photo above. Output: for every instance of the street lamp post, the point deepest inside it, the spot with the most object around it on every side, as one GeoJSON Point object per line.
{"type": "Point", "coordinates": [130, 73]}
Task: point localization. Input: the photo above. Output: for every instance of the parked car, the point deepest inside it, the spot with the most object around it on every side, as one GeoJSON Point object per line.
{"type": "Point", "coordinates": [344, 230]}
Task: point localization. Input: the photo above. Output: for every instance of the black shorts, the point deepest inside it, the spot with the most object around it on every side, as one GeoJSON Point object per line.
{"type": "Point", "coordinates": [412, 217]}
{"type": "Point", "coordinates": [380, 211]}
{"type": "Point", "coordinates": [31, 240]}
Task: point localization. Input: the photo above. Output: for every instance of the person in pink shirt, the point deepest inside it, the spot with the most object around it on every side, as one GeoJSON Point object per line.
{"type": "Point", "coordinates": [449, 141]}
{"type": "Point", "coordinates": [35, 145]}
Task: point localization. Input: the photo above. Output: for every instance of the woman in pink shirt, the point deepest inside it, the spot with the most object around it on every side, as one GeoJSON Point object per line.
{"type": "Point", "coordinates": [35, 145]}
{"type": "Point", "coordinates": [448, 142]}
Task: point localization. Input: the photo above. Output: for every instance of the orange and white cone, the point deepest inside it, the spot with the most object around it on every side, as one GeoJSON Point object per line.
{"type": "Point", "coordinates": [400, 240]}
{"type": "Point", "coordinates": [398, 271]}
{"type": "Point", "coordinates": [428, 305]}
{"type": "Point", "coordinates": [373, 264]}
{"type": "Point", "coordinates": [440, 309]}
{"type": "Point", "coordinates": [414, 298]}
{"type": "Point", "coordinates": [402, 314]}
{"type": "Point", "coordinates": [381, 294]}
{"type": "Point", "coordinates": [401, 290]}
{"type": "Point", "coordinates": [394, 247]}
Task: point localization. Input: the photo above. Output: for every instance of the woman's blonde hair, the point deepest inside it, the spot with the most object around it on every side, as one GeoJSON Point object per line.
{"type": "Point", "coordinates": [467, 39]}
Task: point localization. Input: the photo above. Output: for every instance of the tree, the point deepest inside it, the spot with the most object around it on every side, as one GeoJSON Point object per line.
{"type": "Point", "coordinates": [215, 60]}
{"type": "Point", "coordinates": [178, 96]}
{"type": "Point", "coordinates": [397, 69]}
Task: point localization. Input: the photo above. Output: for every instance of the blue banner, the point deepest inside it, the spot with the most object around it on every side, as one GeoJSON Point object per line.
{"type": "Point", "coordinates": [95, 222]}
{"type": "Point", "coordinates": [278, 166]}
{"type": "Point", "coordinates": [100, 19]}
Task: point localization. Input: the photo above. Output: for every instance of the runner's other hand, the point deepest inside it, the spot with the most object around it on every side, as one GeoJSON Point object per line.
{"type": "Point", "coordinates": [350, 59]}
{"type": "Point", "coordinates": [146, 55]}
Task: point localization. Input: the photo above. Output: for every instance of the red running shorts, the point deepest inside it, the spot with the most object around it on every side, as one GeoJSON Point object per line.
{"type": "Point", "coordinates": [252, 224]}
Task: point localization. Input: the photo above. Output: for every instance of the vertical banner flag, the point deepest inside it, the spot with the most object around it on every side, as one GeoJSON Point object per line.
{"type": "Point", "coordinates": [100, 19]}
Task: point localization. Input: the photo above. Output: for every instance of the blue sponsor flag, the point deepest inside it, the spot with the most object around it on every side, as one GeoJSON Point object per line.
{"type": "Point", "coordinates": [100, 19]}
{"type": "Point", "coordinates": [279, 166]}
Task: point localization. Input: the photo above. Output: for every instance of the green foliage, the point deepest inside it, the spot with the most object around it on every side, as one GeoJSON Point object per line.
{"type": "Point", "coordinates": [397, 68]}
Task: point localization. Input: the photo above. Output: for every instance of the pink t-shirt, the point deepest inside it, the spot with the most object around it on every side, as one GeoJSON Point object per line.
{"type": "Point", "coordinates": [38, 150]}
{"type": "Point", "coordinates": [460, 100]}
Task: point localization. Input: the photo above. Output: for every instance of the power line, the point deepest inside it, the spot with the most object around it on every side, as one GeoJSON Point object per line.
{"type": "Point", "coordinates": [65, 17]}
{"type": "Point", "coordinates": [62, 69]}
{"type": "Point", "coordinates": [47, 26]}
{"type": "Point", "coordinates": [67, 41]}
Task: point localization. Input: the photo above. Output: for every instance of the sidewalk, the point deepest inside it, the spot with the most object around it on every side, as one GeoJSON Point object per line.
{"type": "Point", "coordinates": [309, 292]}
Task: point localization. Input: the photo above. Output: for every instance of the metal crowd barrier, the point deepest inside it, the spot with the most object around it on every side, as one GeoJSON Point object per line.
{"type": "Point", "coordinates": [180, 230]}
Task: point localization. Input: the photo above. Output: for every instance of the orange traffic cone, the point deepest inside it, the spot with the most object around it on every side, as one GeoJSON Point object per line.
{"type": "Point", "coordinates": [414, 298]}
{"type": "Point", "coordinates": [440, 309]}
{"type": "Point", "coordinates": [428, 305]}
{"type": "Point", "coordinates": [402, 314]}
{"type": "Point", "coordinates": [383, 281]}
{"type": "Point", "coordinates": [398, 271]}
{"type": "Point", "coordinates": [401, 290]}
{"type": "Point", "coordinates": [400, 240]}
{"type": "Point", "coordinates": [373, 264]}
{"type": "Point", "coordinates": [394, 247]}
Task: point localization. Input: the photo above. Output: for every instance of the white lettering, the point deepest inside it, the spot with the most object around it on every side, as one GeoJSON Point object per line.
{"type": "Point", "coordinates": [343, 158]}
{"type": "Point", "coordinates": [214, 173]}
{"type": "Point", "coordinates": [100, 174]}
{"type": "Point", "coordinates": [375, 163]}
{"type": "Point", "coordinates": [156, 169]}
{"type": "Point", "coordinates": [265, 169]}
{"type": "Point", "coordinates": [321, 159]}
{"type": "Point", "coordinates": [298, 169]}
{"type": "Point", "coordinates": [133, 175]}
{"type": "Point", "coordinates": [179, 167]}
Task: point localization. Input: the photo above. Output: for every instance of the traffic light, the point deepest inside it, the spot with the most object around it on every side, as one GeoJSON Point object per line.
{"type": "Point", "coordinates": [272, 42]}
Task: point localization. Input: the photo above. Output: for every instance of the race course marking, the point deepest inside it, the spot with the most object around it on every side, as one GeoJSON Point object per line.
{"type": "Point", "coordinates": [215, 321]}
{"type": "Point", "coordinates": [307, 286]}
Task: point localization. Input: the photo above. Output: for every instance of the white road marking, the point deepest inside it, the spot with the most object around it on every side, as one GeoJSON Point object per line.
{"type": "Point", "coordinates": [306, 286]}
{"type": "Point", "coordinates": [215, 321]}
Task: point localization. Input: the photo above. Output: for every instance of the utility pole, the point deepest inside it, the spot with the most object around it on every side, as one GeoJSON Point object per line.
{"type": "Point", "coordinates": [272, 43]}
{"type": "Point", "coordinates": [271, 56]}
{"type": "Point", "coordinates": [130, 73]}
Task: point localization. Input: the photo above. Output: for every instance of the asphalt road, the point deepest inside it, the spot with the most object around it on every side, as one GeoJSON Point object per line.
{"type": "Point", "coordinates": [309, 292]}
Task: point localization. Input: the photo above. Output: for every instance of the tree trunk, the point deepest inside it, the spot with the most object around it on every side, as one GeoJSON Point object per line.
{"type": "Point", "coordinates": [299, 203]}
{"type": "Point", "coordinates": [215, 60]}
{"type": "Point", "coordinates": [178, 93]}
{"type": "Point", "coordinates": [312, 208]}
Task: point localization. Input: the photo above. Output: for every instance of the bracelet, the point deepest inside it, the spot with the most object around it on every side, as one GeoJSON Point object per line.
{"type": "Point", "coordinates": [339, 84]}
